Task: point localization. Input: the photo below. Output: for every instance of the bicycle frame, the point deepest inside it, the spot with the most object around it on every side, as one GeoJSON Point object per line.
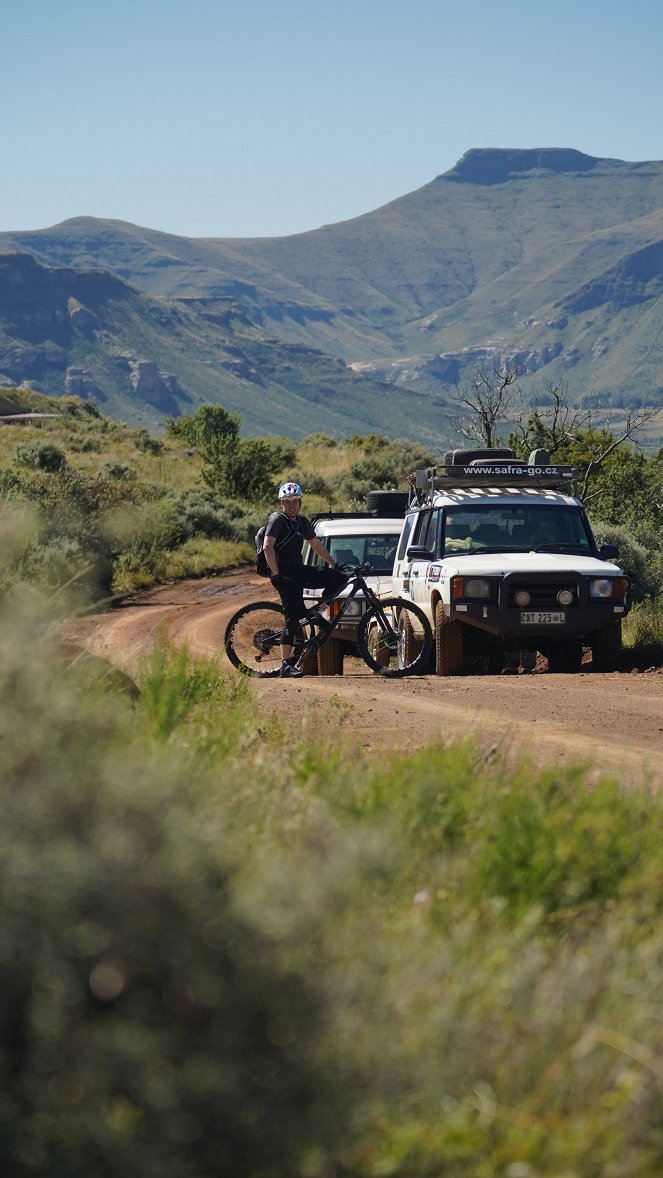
{"type": "Point", "coordinates": [313, 618]}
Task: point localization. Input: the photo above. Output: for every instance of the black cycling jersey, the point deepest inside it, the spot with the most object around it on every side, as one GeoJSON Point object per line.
{"type": "Point", "coordinates": [289, 552]}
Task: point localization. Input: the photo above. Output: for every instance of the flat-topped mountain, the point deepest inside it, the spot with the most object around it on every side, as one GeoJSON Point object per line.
{"type": "Point", "coordinates": [547, 256]}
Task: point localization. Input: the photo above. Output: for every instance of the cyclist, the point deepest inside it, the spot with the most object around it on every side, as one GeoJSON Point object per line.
{"type": "Point", "coordinates": [285, 533]}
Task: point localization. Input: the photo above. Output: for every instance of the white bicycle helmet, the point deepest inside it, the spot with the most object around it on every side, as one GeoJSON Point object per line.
{"type": "Point", "coordinates": [290, 491]}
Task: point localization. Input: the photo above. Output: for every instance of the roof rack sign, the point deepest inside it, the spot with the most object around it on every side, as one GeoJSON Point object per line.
{"type": "Point", "coordinates": [481, 473]}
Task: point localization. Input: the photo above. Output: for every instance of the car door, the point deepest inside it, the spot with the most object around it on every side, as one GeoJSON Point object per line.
{"type": "Point", "coordinates": [426, 535]}
{"type": "Point", "coordinates": [400, 575]}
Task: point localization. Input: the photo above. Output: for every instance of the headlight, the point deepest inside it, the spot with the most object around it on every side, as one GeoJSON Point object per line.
{"type": "Point", "coordinates": [522, 597]}
{"type": "Point", "coordinates": [477, 587]}
{"type": "Point", "coordinates": [353, 608]}
{"type": "Point", "coordinates": [603, 587]}
{"type": "Point", "coordinates": [565, 596]}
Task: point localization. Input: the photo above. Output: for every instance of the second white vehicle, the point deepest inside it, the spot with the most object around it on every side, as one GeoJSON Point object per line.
{"type": "Point", "coordinates": [353, 539]}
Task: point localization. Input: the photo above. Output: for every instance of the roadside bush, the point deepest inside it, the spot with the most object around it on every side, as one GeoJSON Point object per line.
{"type": "Point", "coordinates": [198, 511]}
{"type": "Point", "coordinates": [243, 468]}
{"type": "Point", "coordinates": [643, 627]}
{"type": "Point", "coordinates": [43, 456]}
{"type": "Point", "coordinates": [118, 471]}
{"type": "Point", "coordinates": [385, 470]}
{"type": "Point", "coordinates": [147, 1025]}
{"type": "Point", "coordinates": [314, 484]}
{"type": "Point", "coordinates": [68, 512]}
{"type": "Point", "coordinates": [231, 948]}
{"type": "Point", "coordinates": [146, 443]}
{"type": "Point", "coordinates": [85, 445]}
{"type": "Point", "coordinates": [320, 439]}
{"type": "Point", "coordinates": [641, 564]}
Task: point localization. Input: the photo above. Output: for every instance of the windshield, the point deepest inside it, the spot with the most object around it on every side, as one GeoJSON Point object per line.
{"type": "Point", "coordinates": [515, 529]}
{"type": "Point", "coordinates": [378, 551]}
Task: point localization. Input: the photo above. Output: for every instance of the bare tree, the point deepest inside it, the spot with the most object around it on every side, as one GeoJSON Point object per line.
{"type": "Point", "coordinates": [600, 428]}
{"type": "Point", "coordinates": [553, 422]}
{"type": "Point", "coordinates": [607, 442]}
{"type": "Point", "coordinates": [487, 398]}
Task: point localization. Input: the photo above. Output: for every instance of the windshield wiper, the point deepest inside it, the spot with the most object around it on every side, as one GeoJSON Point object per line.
{"type": "Point", "coordinates": [554, 546]}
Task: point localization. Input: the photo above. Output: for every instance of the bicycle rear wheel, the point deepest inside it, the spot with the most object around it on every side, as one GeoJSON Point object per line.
{"type": "Point", "coordinates": [253, 639]}
{"type": "Point", "coordinates": [395, 638]}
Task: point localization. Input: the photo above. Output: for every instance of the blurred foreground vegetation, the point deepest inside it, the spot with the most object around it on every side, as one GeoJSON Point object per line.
{"type": "Point", "coordinates": [227, 949]}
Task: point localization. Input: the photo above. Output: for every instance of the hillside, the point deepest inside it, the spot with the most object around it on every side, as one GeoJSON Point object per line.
{"type": "Point", "coordinates": [90, 334]}
{"type": "Point", "coordinates": [549, 256]}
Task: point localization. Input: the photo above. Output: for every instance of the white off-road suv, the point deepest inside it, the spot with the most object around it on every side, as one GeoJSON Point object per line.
{"type": "Point", "coordinates": [501, 557]}
{"type": "Point", "coordinates": [354, 539]}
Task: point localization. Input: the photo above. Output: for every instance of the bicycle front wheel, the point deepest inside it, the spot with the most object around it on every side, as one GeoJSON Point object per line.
{"type": "Point", "coordinates": [253, 639]}
{"type": "Point", "coordinates": [395, 638]}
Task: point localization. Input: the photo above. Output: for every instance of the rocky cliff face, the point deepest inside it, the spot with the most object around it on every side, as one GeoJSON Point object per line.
{"type": "Point", "coordinates": [547, 255]}
{"type": "Point", "coordinates": [498, 166]}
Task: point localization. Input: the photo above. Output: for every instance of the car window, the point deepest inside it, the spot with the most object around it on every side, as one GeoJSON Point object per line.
{"type": "Point", "coordinates": [378, 550]}
{"type": "Point", "coordinates": [426, 533]}
{"type": "Point", "coordinates": [405, 536]}
{"type": "Point", "coordinates": [429, 537]}
{"type": "Point", "coordinates": [504, 527]}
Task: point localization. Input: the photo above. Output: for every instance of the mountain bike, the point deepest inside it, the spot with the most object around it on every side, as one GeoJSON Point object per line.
{"type": "Point", "coordinates": [394, 637]}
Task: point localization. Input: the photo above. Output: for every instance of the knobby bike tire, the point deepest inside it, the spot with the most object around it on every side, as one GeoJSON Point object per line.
{"type": "Point", "coordinates": [253, 639]}
{"type": "Point", "coordinates": [404, 647]}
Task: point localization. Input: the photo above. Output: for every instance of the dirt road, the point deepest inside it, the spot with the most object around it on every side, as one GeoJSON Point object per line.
{"type": "Point", "coordinates": [614, 721]}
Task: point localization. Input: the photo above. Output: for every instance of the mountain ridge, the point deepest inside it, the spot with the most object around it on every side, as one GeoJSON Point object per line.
{"type": "Point", "coordinates": [493, 258]}
{"type": "Point", "coordinates": [89, 333]}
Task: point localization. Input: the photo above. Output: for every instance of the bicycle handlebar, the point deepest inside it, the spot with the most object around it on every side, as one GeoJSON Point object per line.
{"type": "Point", "coordinates": [356, 570]}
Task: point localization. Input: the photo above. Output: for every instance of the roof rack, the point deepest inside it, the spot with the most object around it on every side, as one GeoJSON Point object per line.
{"type": "Point", "coordinates": [481, 473]}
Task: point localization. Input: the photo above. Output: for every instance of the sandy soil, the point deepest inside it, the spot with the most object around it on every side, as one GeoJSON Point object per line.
{"type": "Point", "coordinates": [612, 721]}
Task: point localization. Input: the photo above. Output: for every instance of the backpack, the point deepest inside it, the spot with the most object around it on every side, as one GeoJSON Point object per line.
{"type": "Point", "coordinates": [262, 568]}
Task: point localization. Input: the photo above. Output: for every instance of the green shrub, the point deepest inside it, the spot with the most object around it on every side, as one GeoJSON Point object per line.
{"type": "Point", "coordinates": [199, 511]}
{"type": "Point", "coordinates": [117, 471]}
{"type": "Point", "coordinates": [320, 439]}
{"type": "Point", "coordinates": [147, 1025]}
{"type": "Point", "coordinates": [43, 456]}
{"type": "Point", "coordinates": [146, 443]}
{"type": "Point", "coordinates": [85, 445]}
{"type": "Point", "coordinates": [643, 627]}
{"type": "Point", "coordinates": [385, 467]}
{"type": "Point", "coordinates": [231, 948]}
{"type": "Point", "coordinates": [634, 558]}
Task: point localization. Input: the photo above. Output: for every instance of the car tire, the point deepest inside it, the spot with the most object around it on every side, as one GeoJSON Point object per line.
{"type": "Point", "coordinates": [387, 503]}
{"type": "Point", "coordinates": [606, 646]}
{"type": "Point", "coordinates": [411, 644]}
{"type": "Point", "coordinates": [449, 643]}
{"type": "Point", "coordinates": [309, 663]}
{"type": "Point", "coordinates": [380, 656]}
{"type": "Point", "coordinates": [330, 658]}
{"type": "Point", "coordinates": [566, 658]}
{"type": "Point", "coordinates": [464, 457]}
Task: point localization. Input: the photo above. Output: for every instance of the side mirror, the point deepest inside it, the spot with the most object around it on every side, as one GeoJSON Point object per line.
{"type": "Point", "coordinates": [608, 552]}
{"type": "Point", "coordinates": [419, 552]}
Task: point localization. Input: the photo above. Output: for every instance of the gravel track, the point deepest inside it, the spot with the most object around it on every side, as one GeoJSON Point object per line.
{"type": "Point", "coordinates": [613, 721]}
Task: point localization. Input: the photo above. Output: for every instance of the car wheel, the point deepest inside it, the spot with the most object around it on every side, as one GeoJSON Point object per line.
{"type": "Point", "coordinates": [449, 643]}
{"type": "Point", "coordinates": [330, 658]}
{"type": "Point", "coordinates": [606, 645]}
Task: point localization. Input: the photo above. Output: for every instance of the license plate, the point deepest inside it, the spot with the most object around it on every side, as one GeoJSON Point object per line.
{"type": "Point", "coordinates": [542, 617]}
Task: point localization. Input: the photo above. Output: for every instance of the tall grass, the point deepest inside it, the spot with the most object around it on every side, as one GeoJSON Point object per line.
{"type": "Point", "coordinates": [227, 948]}
{"type": "Point", "coordinates": [643, 627]}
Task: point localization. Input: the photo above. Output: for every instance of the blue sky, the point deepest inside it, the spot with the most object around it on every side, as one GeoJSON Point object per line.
{"type": "Point", "coordinates": [270, 117]}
